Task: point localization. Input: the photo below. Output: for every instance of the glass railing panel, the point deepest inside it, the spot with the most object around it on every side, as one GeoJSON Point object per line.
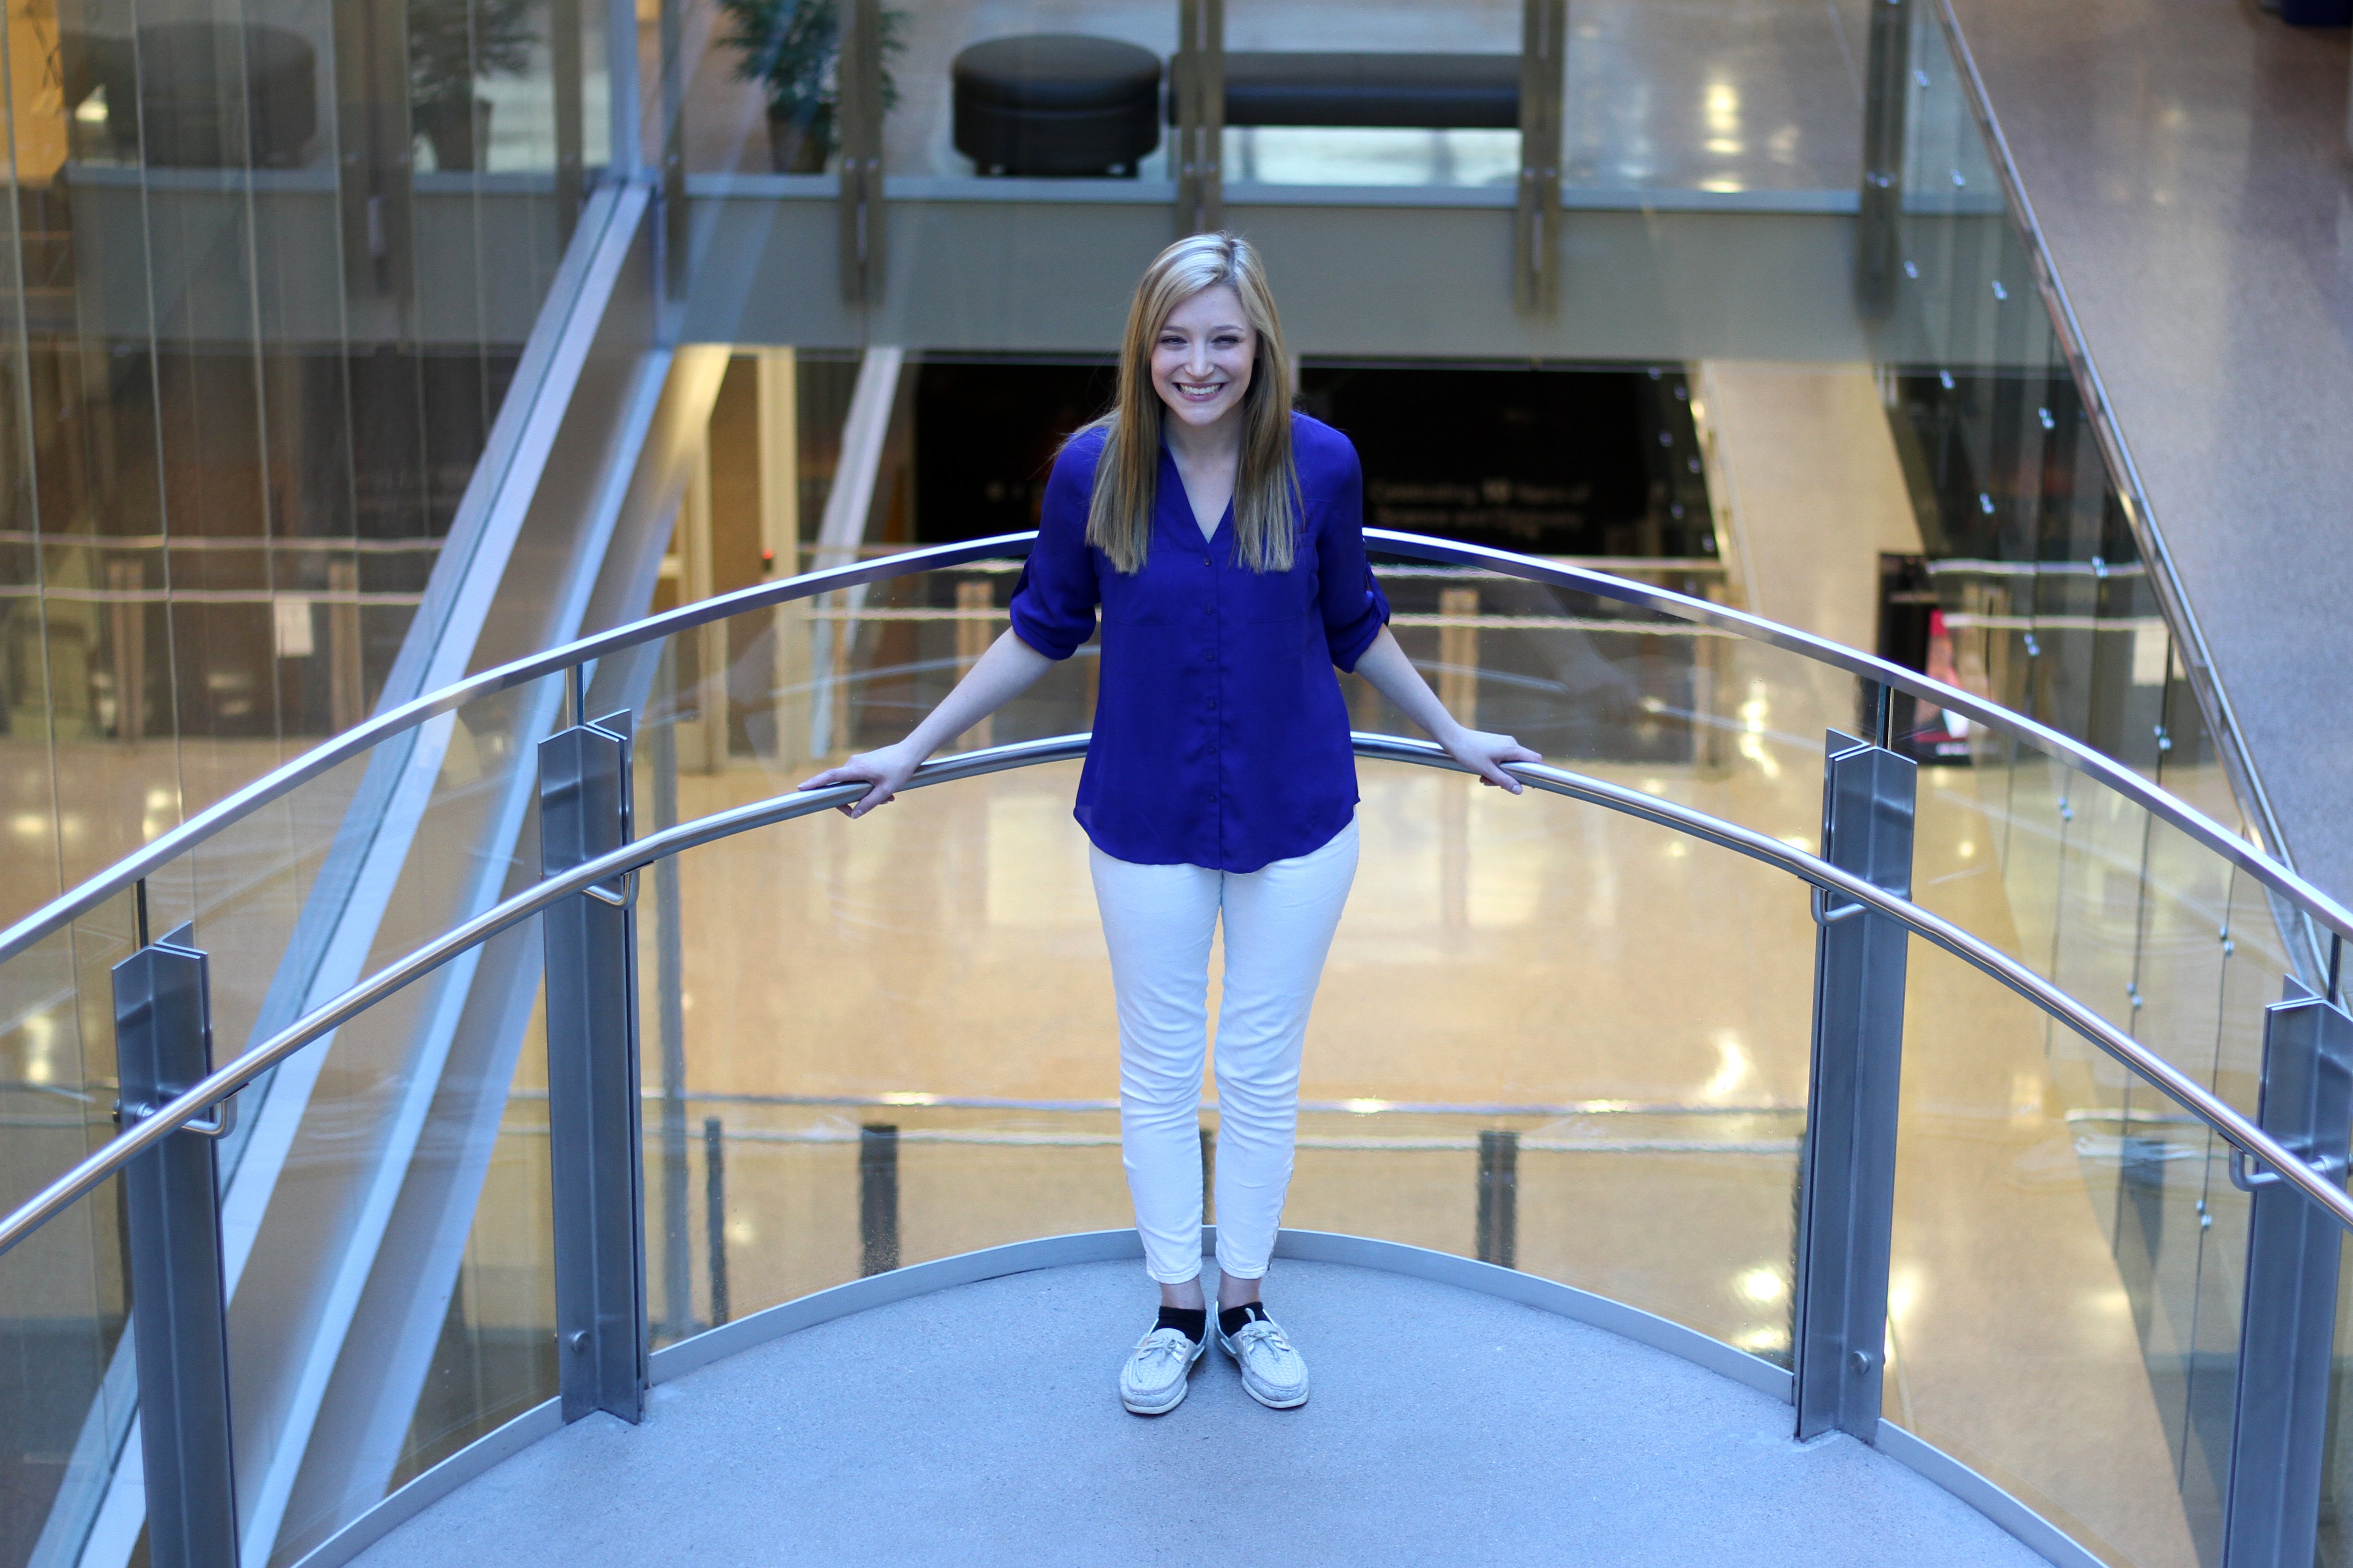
{"type": "Point", "coordinates": [67, 1393]}
{"type": "Point", "coordinates": [1631, 1123]}
{"type": "Point", "coordinates": [360, 1127]}
{"type": "Point", "coordinates": [57, 1079]}
{"type": "Point", "coordinates": [2063, 1295]}
{"type": "Point", "coordinates": [2258, 966]}
{"type": "Point", "coordinates": [494, 1355]}
{"type": "Point", "coordinates": [925, 990]}
{"type": "Point", "coordinates": [420, 1166]}
{"type": "Point", "coordinates": [294, 904]}
{"type": "Point", "coordinates": [2336, 1543]}
{"type": "Point", "coordinates": [322, 887]}
{"type": "Point", "coordinates": [769, 696]}
{"type": "Point", "coordinates": [1640, 699]}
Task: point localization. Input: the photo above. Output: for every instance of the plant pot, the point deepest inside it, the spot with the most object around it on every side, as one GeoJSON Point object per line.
{"type": "Point", "coordinates": [459, 130]}
{"type": "Point", "coordinates": [796, 148]}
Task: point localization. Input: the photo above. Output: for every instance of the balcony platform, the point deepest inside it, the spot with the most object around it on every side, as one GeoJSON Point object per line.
{"type": "Point", "coordinates": [979, 1423]}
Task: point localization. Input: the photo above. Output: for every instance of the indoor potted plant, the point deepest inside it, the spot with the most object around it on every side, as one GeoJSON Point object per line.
{"type": "Point", "coordinates": [789, 47]}
{"type": "Point", "coordinates": [453, 44]}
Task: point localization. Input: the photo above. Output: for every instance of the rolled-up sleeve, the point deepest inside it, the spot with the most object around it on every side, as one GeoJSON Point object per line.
{"type": "Point", "coordinates": [1354, 609]}
{"type": "Point", "coordinates": [1053, 607]}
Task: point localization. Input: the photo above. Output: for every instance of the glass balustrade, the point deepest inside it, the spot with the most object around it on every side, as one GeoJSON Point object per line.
{"type": "Point", "coordinates": [2063, 1299]}
{"type": "Point", "coordinates": [866, 1045]}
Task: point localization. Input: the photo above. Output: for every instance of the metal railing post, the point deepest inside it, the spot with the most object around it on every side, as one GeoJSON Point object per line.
{"type": "Point", "coordinates": [878, 1197]}
{"type": "Point", "coordinates": [594, 1150]}
{"type": "Point", "coordinates": [1886, 98]}
{"type": "Point", "coordinates": [1499, 1198]}
{"type": "Point", "coordinates": [162, 1027]}
{"type": "Point", "coordinates": [1847, 1177]}
{"type": "Point", "coordinates": [2287, 1324]}
{"type": "Point", "coordinates": [714, 1214]}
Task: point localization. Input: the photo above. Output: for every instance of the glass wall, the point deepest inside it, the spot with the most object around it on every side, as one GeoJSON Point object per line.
{"type": "Point", "coordinates": [277, 262]}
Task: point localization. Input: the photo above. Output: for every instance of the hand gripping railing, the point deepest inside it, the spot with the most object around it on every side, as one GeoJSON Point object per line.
{"type": "Point", "coordinates": [180, 1111]}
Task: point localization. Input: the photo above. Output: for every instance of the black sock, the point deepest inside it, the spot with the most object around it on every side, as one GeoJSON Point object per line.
{"type": "Point", "coordinates": [1232, 1319]}
{"type": "Point", "coordinates": [1194, 1322]}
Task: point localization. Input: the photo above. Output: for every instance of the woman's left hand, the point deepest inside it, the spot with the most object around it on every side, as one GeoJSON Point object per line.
{"type": "Point", "coordinates": [1484, 753]}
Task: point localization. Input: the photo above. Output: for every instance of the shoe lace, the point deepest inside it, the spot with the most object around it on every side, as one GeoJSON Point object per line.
{"type": "Point", "coordinates": [1170, 1342]}
{"type": "Point", "coordinates": [1260, 1332]}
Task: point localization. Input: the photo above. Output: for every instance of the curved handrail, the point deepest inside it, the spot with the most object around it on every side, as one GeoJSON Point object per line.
{"type": "Point", "coordinates": [2249, 857]}
{"type": "Point", "coordinates": [2181, 814]}
{"type": "Point", "coordinates": [160, 1122]}
{"type": "Point", "coordinates": [235, 807]}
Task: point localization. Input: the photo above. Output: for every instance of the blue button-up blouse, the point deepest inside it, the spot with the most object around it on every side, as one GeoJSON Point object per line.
{"type": "Point", "coordinates": [1222, 737]}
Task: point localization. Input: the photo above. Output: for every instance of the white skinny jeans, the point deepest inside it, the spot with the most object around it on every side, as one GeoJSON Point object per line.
{"type": "Point", "coordinates": [1157, 920]}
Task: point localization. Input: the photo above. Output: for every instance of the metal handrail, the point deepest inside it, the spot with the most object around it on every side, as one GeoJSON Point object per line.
{"type": "Point", "coordinates": [2168, 808]}
{"type": "Point", "coordinates": [2251, 859]}
{"type": "Point", "coordinates": [2243, 1134]}
{"type": "Point", "coordinates": [235, 807]}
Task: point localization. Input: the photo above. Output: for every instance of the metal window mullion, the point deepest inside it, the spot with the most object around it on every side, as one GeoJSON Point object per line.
{"type": "Point", "coordinates": [1885, 108]}
{"type": "Point", "coordinates": [1536, 226]}
{"type": "Point", "coordinates": [1198, 79]}
{"type": "Point", "coordinates": [860, 73]}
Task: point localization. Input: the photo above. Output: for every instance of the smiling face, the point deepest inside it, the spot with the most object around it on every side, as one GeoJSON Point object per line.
{"type": "Point", "coordinates": [1201, 361]}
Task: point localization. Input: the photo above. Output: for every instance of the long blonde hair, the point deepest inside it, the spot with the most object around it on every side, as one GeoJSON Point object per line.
{"type": "Point", "coordinates": [1266, 479]}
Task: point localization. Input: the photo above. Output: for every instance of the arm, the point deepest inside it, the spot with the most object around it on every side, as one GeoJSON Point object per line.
{"type": "Point", "coordinates": [1009, 668]}
{"type": "Point", "coordinates": [1394, 677]}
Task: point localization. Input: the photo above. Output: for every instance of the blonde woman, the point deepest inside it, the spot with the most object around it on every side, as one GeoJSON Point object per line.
{"type": "Point", "coordinates": [1221, 536]}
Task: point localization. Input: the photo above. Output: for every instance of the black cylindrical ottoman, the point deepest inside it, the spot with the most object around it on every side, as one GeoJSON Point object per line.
{"type": "Point", "coordinates": [1057, 103]}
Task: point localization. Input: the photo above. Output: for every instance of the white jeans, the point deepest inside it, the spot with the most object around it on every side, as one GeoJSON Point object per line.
{"type": "Point", "coordinates": [1157, 920]}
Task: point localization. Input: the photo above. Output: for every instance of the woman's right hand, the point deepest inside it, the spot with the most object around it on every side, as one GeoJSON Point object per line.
{"type": "Point", "coordinates": [887, 769]}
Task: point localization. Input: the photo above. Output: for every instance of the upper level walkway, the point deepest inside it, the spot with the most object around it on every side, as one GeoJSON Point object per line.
{"type": "Point", "coordinates": [2186, 161]}
{"type": "Point", "coordinates": [977, 1424]}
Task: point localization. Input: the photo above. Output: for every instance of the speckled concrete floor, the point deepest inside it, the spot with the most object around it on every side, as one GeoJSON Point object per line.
{"type": "Point", "coordinates": [979, 1424]}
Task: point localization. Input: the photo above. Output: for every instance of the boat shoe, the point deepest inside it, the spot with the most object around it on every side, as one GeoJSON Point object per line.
{"type": "Point", "coordinates": [1152, 1382]}
{"type": "Point", "coordinates": [1273, 1371]}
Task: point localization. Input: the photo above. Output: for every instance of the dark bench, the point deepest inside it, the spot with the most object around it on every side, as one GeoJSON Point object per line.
{"type": "Point", "coordinates": [1062, 103]}
{"type": "Point", "coordinates": [1386, 90]}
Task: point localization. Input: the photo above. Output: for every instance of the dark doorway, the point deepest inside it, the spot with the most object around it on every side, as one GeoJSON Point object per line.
{"type": "Point", "coordinates": [1550, 460]}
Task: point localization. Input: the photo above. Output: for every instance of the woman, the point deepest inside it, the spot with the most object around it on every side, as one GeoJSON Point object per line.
{"type": "Point", "coordinates": [1222, 536]}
